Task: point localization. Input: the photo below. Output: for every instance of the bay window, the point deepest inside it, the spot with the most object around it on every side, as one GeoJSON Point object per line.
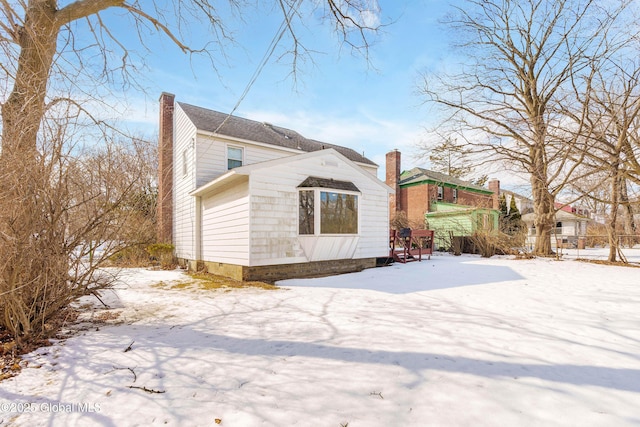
{"type": "Point", "coordinates": [332, 210]}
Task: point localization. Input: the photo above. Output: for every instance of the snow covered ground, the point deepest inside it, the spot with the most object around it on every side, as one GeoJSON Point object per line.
{"type": "Point", "coordinates": [454, 341]}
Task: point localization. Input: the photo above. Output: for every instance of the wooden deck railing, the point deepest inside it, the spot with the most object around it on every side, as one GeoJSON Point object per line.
{"type": "Point", "coordinates": [407, 245]}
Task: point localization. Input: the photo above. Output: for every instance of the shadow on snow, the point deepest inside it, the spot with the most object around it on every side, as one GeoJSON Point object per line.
{"type": "Point", "coordinates": [440, 272]}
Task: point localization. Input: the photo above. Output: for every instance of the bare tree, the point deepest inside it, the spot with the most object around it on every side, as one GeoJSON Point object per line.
{"type": "Point", "coordinates": [525, 60]}
{"type": "Point", "coordinates": [44, 35]}
{"type": "Point", "coordinates": [60, 219]}
{"type": "Point", "coordinates": [62, 211]}
{"type": "Point", "coordinates": [453, 159]}
{"type": "Point", "coordinates": [613, 104]}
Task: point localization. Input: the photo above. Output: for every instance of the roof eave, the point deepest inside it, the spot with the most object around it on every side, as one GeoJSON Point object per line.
{"type": "Point", "coordinates": [449, 184]}
{"type": "Point", "coordinates": [227, 178]}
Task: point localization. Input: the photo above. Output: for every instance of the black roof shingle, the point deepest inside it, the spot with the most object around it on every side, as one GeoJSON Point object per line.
{"type": "Point", "coordinates": [251, 130]}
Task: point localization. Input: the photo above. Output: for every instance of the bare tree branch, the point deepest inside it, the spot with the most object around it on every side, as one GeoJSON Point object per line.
{"type": "Point", "coordinates": [525, 61]}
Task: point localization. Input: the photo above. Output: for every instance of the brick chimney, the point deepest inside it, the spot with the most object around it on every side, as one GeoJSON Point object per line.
{"type": "Point", "coordinates": [165, 169]}
{"type": "Point", "coordinates": [494, 185]}
{"type": "Point", "coordinates": [392, 179]}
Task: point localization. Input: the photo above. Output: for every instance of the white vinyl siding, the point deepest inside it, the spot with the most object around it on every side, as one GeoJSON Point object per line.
{"type": "Point", "coordinates": [225, 225]}
{"type": "Point", "coordinates": [372, 169]}
{"type": "Point", "coordinates": [255, 222]}
{"type": "Point", "coordinates": [185, 162]}
{"type": "Point", "coordinates": [213, 157]}
{"type": "Point", "coordinates": [184, 206]}
{"type": "Point", "coordinates": [275, 209]}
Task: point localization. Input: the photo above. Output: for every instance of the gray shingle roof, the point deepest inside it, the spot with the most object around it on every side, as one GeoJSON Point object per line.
{"type": "Point", "coordinates": [315, 182]}
{"type": "Point", "coordinates": [251, 130]}
{"type": "Point", "coordinates": [417, 175]}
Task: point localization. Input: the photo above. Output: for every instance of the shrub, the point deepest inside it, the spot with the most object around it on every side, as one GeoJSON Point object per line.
{"type": "Point", "coordinates": [400, 221]}
{"type": "Point", "coordinates": [132, 256]}
{"type": "Point", "coordinates": [163, 252]}
{"type": "Point", "coordinates": [597, 235]}
{"type": "Point", "coordinates": [489, 243]}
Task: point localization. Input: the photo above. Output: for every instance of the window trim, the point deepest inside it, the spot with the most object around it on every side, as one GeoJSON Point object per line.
{"type": "Point", "coordinates": [226, 155]}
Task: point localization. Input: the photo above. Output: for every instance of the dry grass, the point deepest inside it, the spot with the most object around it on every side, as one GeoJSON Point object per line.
{"type": "Point", "coordinates": [605, 262]}
{"type": "Point", "coordinates": [10, 352]}
{"type": "Point", "coordinates": [207, 281]}
{"type": "Point", "coordinates": [9, 356]}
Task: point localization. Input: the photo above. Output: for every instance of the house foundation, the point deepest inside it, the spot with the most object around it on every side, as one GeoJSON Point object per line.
{"type": "Point", "coordinates": [273, 273]}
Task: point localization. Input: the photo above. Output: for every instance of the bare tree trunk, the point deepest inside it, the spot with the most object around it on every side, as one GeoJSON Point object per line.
{"type": "Point", "coordinates": [627, 211]}
{"type": "Point", "coordinates": [544, 221]}
{"type": "Point", "coordinates": [612, 233]}
{"type": "Point", "coordinates": [543, 206]}
{"type": "Point", "coordinates": [26, 235]}
{"type": "Point", "coordinates": [24, 109]}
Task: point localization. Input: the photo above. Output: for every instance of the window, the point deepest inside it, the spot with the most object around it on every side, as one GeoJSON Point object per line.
{"type": "Point", "coordinates": [305, 212]}
{"type": "Point", "coordinates": [485, 221]}
{"type": "Point", "coordinates": [440, 192]}
{"type": "Point", "coordinates": [486, 224]}
{"type": "Point", "coordinates": [338, 212]}
{"type": "Point", "coordinates": [455, 195]}
{"type": "Point", "coordinates": [234, 157]}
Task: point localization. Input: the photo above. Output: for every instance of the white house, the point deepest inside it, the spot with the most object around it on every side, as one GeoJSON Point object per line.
{"type": "Point", "coordinates": [569, 228]}
{"type": "Point", "coordinates": [524, 204]}
{"type": "Point", "coordinates": [255, 201]}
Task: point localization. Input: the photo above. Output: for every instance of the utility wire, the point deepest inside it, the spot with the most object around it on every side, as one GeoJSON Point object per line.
{"type": "Point", "coordinates": [286, 22]}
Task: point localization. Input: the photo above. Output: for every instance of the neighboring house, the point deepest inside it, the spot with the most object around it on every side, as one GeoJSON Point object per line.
{"type": "Point", "coordinates": [524, 204]}
{"type": "Point", "coordinates": [255, 201]}
{"type": "Point", "coordinates": [444, 202]}
{"type": "Point", "coordinates": [569, 228]}
{"type": "Point", "coordinates": [460, 221]}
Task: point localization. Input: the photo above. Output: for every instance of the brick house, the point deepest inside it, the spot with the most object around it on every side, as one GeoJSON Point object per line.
{"type": "Point", "coordinates": [418, 190]}
{"type": "Point", "coordinates": [444, 202]}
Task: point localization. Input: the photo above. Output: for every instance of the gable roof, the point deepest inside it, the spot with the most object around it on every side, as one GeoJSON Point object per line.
{"type": "Point", "coordinates": [243, 171]}
{"type": "Point", "coordinates": [559, 216]}
{"type": "Point", "coordinates": [516, 195]}
{"type": "Point", "coordinates": [419, 175]}
{"type": "Point", "coordinates": [251, 130]}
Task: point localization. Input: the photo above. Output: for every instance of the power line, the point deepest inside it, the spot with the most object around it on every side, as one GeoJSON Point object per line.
{"type": "Point", "coordinates": [286, 22]}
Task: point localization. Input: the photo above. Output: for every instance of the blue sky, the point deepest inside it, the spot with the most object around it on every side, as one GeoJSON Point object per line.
{"type": "Point", "coordinates": [338, 97]}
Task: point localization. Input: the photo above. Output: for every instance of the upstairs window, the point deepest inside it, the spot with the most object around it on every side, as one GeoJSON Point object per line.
{"type": "Point", "coordinates": [234, 157]}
